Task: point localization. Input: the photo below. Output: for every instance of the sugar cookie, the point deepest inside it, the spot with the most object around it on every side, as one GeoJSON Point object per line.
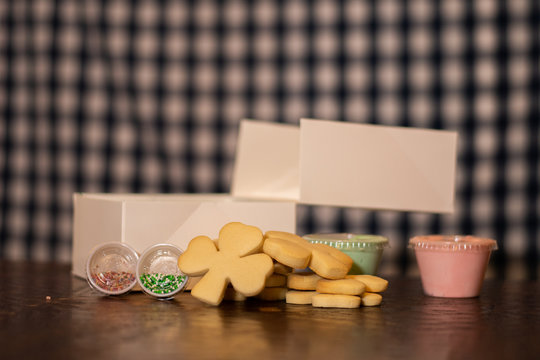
{"type": "Point", "coordinates": [287, 252]}
{"type": "Point", "coordinates": [281, 269]}
{"type": "Point", "coordinates": [342, 287]}
{"type": "Point", "coordinates": [240, 239]}
{"type": "Point", "coordinates": [371, 299]}
{"type": "Point", "coordinates": [285, 235]}
{"type": "Point", "coordinates": [233, 259]}
{"type": "Point", "coordinates": [299, 297]}
{"type": "Point", "coordinates": [325, 260]}
{"type": "Point", "coordinates": [326, 265]}
{"type": "Point", "coordinates": [336, 254]}
{"type": "Point", "coordinates": [273, 294]}
{"type": "Point", "coordinates": [303, 281]}
{"type": "Point", "coordinates": [276, 280]}
{"type": "Point", "coordinates": [336, 301]}
{"type": "Point", "coordinates": [373, 283]}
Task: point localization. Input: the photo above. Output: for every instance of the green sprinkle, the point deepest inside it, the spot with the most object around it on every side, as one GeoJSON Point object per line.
{"type": "Point", "coordinates": [162, 283]}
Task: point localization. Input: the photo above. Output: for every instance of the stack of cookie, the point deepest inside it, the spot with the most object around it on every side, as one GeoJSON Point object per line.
{"type": "Point", "coordinates": [302, 288]}
{"type": "Point", "coordinates": [275, 286]}
{"type": "Point", "coordinates": [243, 263]}
{"type": "Point", "coordinates": [327, 284]}
{"type": "Point", "coordinates": [351, 292]}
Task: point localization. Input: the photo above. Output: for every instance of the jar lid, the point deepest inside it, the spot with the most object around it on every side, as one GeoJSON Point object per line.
{"type": "Point", "coordinates": [158, 273]}
{"type": "Point", "coordinates": [452, 243]}
{"type": "Point", "coordinates": [349, 242]}
{"type": "Point", "coordinates": [111, 268]}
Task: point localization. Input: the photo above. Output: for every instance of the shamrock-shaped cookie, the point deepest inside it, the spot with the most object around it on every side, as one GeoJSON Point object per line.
{"type": "Point", "coordinates": [234, 259]}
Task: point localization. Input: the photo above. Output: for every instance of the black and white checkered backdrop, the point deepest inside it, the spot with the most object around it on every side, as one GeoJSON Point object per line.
{"type": "Point", "coordinates": [146, 96]}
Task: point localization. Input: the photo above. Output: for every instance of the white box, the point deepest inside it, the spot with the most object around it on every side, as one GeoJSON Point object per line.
{"type": "Point", "coordinates": [319, 163]}
{"type": "Point", "coordinates": [267, 161]}
{"type": "Point", "coordinates": [142, 220]}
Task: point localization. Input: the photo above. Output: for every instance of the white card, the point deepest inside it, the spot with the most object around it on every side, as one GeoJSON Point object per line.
{"type": "Point", "coordinates": [377, 167]}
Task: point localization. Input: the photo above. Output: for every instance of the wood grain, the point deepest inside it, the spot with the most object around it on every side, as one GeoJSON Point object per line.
{"type": "Point", "coordinates": [46, 313]}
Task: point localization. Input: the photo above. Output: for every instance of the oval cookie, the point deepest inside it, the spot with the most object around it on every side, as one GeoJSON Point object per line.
{"type": "Point", "coordinates": [299, 297]}
{"type": "Point", "coordinates": [371, 299]}
{"type": "Point", "coordinates": [343, 287]}
{"type": "Point", "coordinates": [287, 253]}
{"type": "Point", "coordinates": [303, 281]}
{"type": "Point", "coordinates": [373, 283]}
{"type": "Point", "coordinates": [281, 269]}
{"type": "Point", "coordinates": [336, 301]}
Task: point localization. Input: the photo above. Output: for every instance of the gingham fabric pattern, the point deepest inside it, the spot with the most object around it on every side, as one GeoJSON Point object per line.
{"type": "Point", "coordinates": [146, 96]}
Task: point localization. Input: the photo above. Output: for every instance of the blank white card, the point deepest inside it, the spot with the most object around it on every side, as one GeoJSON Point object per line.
{"type": "Point", "coordinates": [376, 166]}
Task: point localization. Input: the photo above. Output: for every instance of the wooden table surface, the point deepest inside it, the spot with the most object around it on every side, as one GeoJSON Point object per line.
{"type": "Point", "coordinates": [45, 312]}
